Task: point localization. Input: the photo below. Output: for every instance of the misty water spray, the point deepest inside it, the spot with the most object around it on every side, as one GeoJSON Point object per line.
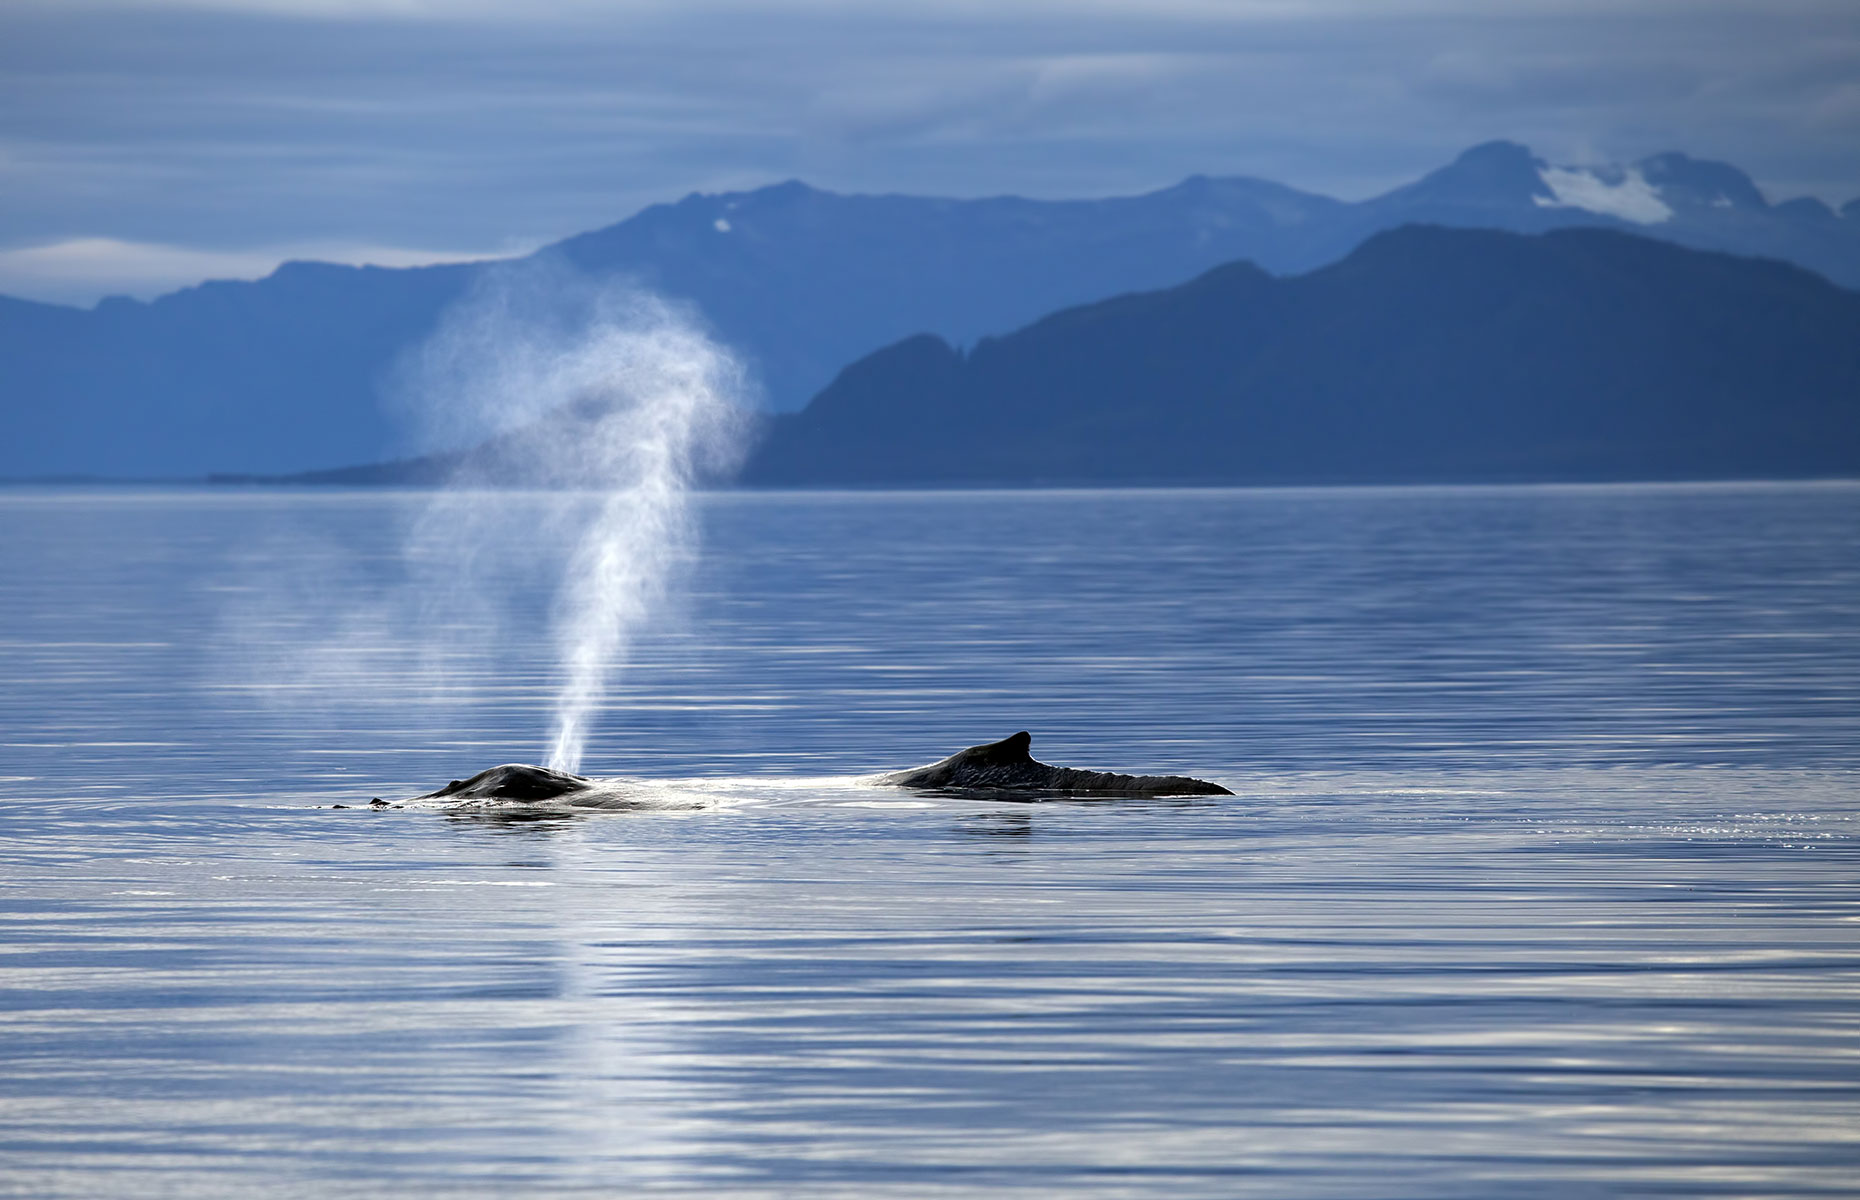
{"type": "Point", "coordinates": [570, 419]}
{"type": "Point", "coordinates": [658, 397]}
{"type": "Point", "coordinates": [611, 401]}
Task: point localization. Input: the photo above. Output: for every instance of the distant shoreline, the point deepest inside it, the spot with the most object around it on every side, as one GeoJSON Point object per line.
{"type": "Point", "coordinates": [284, 484]}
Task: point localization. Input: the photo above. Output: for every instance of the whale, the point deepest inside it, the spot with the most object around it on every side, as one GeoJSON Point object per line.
{"type": "Point", "coordinates": [513, 781]}
{"type": "Point", "coordinates": [1007, 770]}
{"type": "Point", "coordinates": [519, 786]}
{"type": "Point", "coordinates": [1003, 770]}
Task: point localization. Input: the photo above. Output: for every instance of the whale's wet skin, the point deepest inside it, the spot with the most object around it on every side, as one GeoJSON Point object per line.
{"type": "Point", "coordinates": [513, 781]}
{"type": "Point", "coordinates": [1006, 770]}
{"type": "Point", "coordinates": [1003, 770]}
{"type": "Point", "coordinates": [519, 785]}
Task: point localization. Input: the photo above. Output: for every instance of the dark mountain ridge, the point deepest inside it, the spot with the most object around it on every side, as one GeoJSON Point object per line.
{"type": "Point", "coordinates": [1428, 354]}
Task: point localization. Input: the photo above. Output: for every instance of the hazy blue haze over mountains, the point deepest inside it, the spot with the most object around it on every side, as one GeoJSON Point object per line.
{"type": "Point", "coordinates": [284, 374]}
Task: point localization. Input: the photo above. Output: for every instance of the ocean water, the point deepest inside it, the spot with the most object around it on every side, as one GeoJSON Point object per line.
{"type": "Point", "coordinates": [1542, 875]}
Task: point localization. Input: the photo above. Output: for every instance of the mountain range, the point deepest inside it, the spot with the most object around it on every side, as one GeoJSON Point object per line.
{"type": "Point", "coordinates": [1426, 355]}
{"type": "Point", "coordinates": [285, 374]}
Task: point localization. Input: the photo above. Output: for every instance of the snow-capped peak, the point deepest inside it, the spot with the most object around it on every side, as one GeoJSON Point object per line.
{"type": "Point", "coordinates": [1613, 192]}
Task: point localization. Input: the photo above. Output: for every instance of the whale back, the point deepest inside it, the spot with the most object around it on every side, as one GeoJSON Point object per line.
{"type": "Point", "coordinates": [1008, 766]}
{"type": "Point", "coordinates": [511, 781]}
{"type": "Point", "coordinates": [1003, 770]}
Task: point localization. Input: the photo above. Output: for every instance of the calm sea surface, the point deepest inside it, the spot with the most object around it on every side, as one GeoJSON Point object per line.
{"type": "Point", "coordinates": [1542, 878]}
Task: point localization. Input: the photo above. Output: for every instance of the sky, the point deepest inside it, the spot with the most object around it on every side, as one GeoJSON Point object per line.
{"type": "Point", "coordinates": [147, 144]}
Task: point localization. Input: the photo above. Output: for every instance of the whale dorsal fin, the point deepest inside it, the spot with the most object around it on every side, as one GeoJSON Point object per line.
{"type": "Point", "coordinates": [1006, 770]}
{"type": "Point", "coordinates": [1015, 748]}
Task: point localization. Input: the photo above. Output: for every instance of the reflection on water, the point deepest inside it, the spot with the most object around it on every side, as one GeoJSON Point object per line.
{"type": "Point", "coordinates": [1541, 879]}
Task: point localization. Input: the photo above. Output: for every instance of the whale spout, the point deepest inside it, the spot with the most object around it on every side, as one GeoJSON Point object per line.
{"type": "Point", "coordinates": [512, 781]}
{"type": "Point", "coordinates": [1008, 767]}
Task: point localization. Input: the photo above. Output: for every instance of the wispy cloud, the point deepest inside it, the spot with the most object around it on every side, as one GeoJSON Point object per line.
{"type": "Point", "coordinates": [81, 270]}
{"type": "Point", "coordinates": [222, 124]}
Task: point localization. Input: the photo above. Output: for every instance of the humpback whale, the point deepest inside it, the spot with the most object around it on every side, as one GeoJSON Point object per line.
{"type": "Point", "coordinates": [517, 786]}
{"type": "Point", "coordinates": [512, 781]}
{"type": "Point", "coordinates": [1002, 770]}
{"type": "Point", "coordinates": [1006, 769]}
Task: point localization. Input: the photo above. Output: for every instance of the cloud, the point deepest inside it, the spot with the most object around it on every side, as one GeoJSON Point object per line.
{"type": "Point", "coordinates": [223, 124]}
{"type": "Point", "coordinates": [81, 270]}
